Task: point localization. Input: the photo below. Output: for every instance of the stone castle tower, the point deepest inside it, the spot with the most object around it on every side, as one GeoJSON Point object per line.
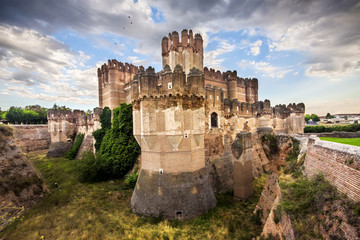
{"type": "Point", "coordinates": [188, 52]}
{"type": "Point", "coordinates": [112, 79]}
{"type": "Point", "coordinates": [169, 119]}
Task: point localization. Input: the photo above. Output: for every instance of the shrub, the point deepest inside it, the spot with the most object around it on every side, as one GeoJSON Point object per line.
{"type": "Point", "coordinates": [119, 149]}
{"type": "Point", "coordinates": [340, 128]}
{"type": "Point", "coordinates": [71, 154]}
{"type": "Point", "coordinates": [271, 142]}
{"type": "Point", "coordinates": [131, 179]}
{"type": "Point", "coordinates": [307, 196]}
{"type": "Point", "coordinates": [105, 120]}
{"type": "Point", "coordinates": [86, 168]}
{"type": "Point", "coordinates": [117, 153]}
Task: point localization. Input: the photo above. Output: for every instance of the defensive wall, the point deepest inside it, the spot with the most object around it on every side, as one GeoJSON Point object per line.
{"type": "Point", "coordinates": [32, 137]}
{"type": "Point", "coordinates": [63, 126]}
{"type": "Point", "coordinates": [339, 163]}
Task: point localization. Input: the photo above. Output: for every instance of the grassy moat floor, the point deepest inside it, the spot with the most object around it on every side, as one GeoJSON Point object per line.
{"type": "Point", "coordinates": [348, 141]}
{"type": "Point", "coordinates": [102, 211]}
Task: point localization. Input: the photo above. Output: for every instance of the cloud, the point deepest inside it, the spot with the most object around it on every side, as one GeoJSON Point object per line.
{"type": "Point", "coordinates": [265, 68]}
{"type": "Point", "coordinates": [38, 66]}
{"type": "Point", "coordinates": [255, 49]}
{"type": "Point", "coordinates": [211, 58]}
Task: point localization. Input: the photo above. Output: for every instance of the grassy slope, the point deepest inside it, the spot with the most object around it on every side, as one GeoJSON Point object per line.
{"type": "Point", "coordinates": [102, 211]}
{"type": "Point", "coordinates": [349, 141]}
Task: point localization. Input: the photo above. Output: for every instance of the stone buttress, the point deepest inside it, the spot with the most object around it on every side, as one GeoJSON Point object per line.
{"type": "Point", "coordinates": [169, 120]}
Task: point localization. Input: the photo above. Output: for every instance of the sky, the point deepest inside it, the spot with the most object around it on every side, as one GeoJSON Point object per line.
{"type": "Point", "coordinates": [299, 50]}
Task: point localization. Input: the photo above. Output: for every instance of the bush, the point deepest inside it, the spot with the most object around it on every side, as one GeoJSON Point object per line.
{"type": "Point", "coordinates": [105, 120]}
{"type": "Point", "coordinates": [340, 128]}
{"type": "Point", "coordinates": [86, 168]}
{"type": "Point", "coordinates": [119, 149]}
{"type": "Point", "coordinates": [270, 141]}
{"type": "Point", "coordinates": [131, 179]}
{"type": "Point", "coordinates": [117, 153]}
{"type": "Point", "coordinates": [307, 196]}
{"type": "Point", "coordinates": [71, 154]}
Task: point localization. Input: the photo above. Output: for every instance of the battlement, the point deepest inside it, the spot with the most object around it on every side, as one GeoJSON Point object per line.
{"type": "Point", "coordinates": [173, 42]}
{"type": "Point", "coordinates": [234, 107]}
{"type": "Point", "coordinates": [148, 84]}
{"type": "Point", "coordinates": [187, 51]}
{"type": "Point", "coordinates": [57, 115]}
{"type": "Point", "coordinates": [212, 75]}
{"type": "Point", "coordinates": [77, 117]}
{"type": "Point", "coordinates": [114, 64]}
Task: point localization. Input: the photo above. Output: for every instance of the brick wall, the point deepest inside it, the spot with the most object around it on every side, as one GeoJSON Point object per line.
{"type": "Point", "coordinates": [339, 163]}
{"type": "Point", "coordinates": [32, 137]}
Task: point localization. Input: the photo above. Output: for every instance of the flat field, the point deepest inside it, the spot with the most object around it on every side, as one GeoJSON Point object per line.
{"type": "Point", "coordinates": [349, 141]}
{"type": "Point", "coordinates": [102, 211]}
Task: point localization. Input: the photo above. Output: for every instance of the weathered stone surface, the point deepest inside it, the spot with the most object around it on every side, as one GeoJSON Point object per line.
{"type": "Point", "coordinates": [339, 163]}
{"type": "Point", "coordinates": [242, 173]}
{"type": "Point", "coordinates": [20, 184]}
{"type": "Point", "coordinates": [237, 147]}
{"type": "Point", "coordinates": [32, 137]}
{"type": "Point", "coordinates": [58, 149]}
{"type": "Point", "coordinates": [173, 196]}
{"type": "Point", "coordinates": [87, 145]}
{"type": "Point", "coordinates": [64, 125]}
{"type": "Point", "coordinates": [269, 200]}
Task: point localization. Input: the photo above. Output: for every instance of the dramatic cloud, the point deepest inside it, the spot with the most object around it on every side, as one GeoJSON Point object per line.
{"type": "Point", "coordinates": [31, 62]}
{"type": "Point", "coordinates": [325, 33]}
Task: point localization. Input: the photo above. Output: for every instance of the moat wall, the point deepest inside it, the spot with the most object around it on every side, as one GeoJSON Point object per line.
{"type": "Point", "coordinates": [32, 137]}
{"type": "Point", "coordinates": [339, 163]}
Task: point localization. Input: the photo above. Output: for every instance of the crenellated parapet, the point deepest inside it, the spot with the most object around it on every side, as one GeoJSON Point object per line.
{"type": "Point", "coordinates": [242, 89]}
{"type": "Point", "coordinates": [186, 51]}
{"type": "Point", "coordinates": [112, 78]}
{"type": "Point", "coordinates": [283, 111]}
{"type": "Point", "coordinates": [148, 84]}
{"type": "Point", "coordinates": [63, 124]}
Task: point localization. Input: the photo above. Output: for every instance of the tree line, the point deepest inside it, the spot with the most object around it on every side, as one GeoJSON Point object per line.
{"type": "Point", "coordinates": [31, 114]}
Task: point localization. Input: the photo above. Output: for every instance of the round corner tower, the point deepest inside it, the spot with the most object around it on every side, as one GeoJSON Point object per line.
{"type": "Point", "coordinates": [169, 120]}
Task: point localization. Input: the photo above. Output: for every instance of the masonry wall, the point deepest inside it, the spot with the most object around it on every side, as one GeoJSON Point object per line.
{"type": "Point", "coordinates": [339, 163]}
{"type": "Point", "coordinates": [32, 137]}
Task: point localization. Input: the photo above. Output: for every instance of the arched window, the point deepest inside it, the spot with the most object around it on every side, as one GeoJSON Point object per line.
{"type": "Point", "coordinates": [214, 120]}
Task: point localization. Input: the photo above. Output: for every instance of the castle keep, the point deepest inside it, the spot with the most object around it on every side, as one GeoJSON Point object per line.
{"type": "Point", "coordinates": [198, 128]}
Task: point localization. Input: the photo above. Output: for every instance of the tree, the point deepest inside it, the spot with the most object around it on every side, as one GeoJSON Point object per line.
{"type": "Point", "coordinates": [307, 117]}
{"type": "Point", "coordinates": [105, 120]}
{"type": "Point", "coordinates": [329, 116]}
{"type": "Point", "coordinates": [119, 149]}
{"type": "Point", "coordinates": [41, 111]}
{"type": "Point", "coordinates": [88, 112]}
{"type": "Point", "coordinates": [15, 115]}
{"type": "Point", "coordinates": [346, 118]}
{"type": "Point", "coordinates": [315, 117]}
{"type": "Point", "coordinates": [61, 108]}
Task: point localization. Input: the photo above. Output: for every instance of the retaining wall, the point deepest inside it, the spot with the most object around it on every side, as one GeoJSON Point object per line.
{"type": "Point", "coordinates": [32, 137]}
{"type": "Point", "coordinates": [339, 163]}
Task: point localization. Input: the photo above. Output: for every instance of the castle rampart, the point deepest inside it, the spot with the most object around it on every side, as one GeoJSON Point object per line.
{"type": "Point", "coordinates": [168, 117]}
{"type": "Point", "coordinates": [185, 118]}
{"type": "Point", "coordinates": [63, 125]}
{"type": "Point", "coordinates": [188, 52]}
{"type": "Point", "coordinates": [112, 78]}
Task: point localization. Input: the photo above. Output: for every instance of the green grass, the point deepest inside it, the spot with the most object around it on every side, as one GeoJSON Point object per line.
{"type": "Point", "coordinates": [349, 141]}
{"type": "Point", "coordinates": [304, 199]}
{"type": "Point", "coordinates": [102, 211]}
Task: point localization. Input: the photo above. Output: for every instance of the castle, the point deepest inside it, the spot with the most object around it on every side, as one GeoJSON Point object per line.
{"type": "Point", "coordinates": [196, 128]}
